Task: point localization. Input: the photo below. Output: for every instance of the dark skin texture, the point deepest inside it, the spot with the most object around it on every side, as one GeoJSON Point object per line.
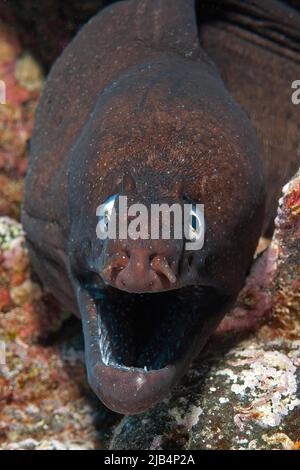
{"type": "Point", "coordinates": [256, 47]}
{"type": "Point", "coordinates": [135, 107]}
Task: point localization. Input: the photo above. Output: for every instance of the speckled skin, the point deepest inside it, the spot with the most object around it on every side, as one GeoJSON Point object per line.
{"type": "Point", "coordinates": [134, 91]}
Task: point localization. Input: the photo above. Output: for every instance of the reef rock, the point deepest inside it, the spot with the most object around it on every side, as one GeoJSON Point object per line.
{"type": "Point", "coordinates": [45, 401]}
{"type": "Point", "coordinates": [22, 79]}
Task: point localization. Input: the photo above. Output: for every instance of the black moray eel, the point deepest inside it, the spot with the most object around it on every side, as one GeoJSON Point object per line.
{"type": "Point", "coordinates": [162, 102]}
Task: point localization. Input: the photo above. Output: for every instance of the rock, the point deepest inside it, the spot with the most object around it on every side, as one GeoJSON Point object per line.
{"type": "Point", "coordinates": [27, 316]}
{"type": "Point", "coordinates": [242, 392]}
{"type": "Point", "coordinates": [28, 73]}
{"type": "Point", "coordinates": [22, 77]}
{"type": "Point", "coordinates": [45, 401]}
{"type": "Point", "coordinates": [32, 444]}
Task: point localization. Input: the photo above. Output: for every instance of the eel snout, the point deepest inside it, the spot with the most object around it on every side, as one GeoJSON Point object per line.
{"type": "Point", "coordinates": [140, 269]}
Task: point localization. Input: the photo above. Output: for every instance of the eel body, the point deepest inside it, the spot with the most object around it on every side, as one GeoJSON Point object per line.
{"type": "Point", "coordinates": [151, 102]}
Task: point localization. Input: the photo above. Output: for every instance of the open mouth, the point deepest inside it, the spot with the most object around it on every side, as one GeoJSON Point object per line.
{"type": "Point", "coordinates": [138, 345]}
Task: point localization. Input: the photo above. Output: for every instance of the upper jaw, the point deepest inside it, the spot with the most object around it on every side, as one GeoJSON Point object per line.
{"type": "Point", "coordinates": [188, 276]}
{"type": "Point", "coordinates": [137, 289]}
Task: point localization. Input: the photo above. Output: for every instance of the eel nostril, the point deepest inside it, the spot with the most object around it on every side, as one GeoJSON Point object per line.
{"type": "Point", "coordinates": [116, 271]}
{"type": "Point", "coordinates": [162, 269]}
{"type": "Point", "coordinates": [116, 264]}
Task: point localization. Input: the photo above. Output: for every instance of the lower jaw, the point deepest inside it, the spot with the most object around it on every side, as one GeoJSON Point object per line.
{"type": "Point", "coordinates": [122, 388]}
{"type": "Point", "coordinates": [131, 391]}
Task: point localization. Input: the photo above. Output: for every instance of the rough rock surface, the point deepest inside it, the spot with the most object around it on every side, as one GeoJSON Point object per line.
{"type": "Point", "coordinates": [45, 401]}
{"type": "Point", "coordinates": [23, 80]}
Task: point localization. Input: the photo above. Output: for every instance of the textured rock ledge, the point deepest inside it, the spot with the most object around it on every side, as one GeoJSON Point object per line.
{"type": "Point", "coordinates": [45, 402]}
{"type": "Point", "coordinates": [243, 392]}
{"type": "Point", "coordinates": [23, 81]}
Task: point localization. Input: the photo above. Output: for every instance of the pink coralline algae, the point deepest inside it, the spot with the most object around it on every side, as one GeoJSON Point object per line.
{"type": "Point", "coordinates": [272, 290]}
{"type": "Point", "coordinates": [45, 401]}
{"type": "Point", "coordinates": [22, 78]}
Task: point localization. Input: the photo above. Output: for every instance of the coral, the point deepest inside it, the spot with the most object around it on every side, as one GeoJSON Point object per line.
{"type": "Point", "coordinates": [22, 77]}
{"type": "Point", "coordinates": [45, 402]}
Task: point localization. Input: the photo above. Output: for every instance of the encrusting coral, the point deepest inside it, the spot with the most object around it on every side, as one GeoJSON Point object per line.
{"type": "Point", "coordinates": [22, 77]}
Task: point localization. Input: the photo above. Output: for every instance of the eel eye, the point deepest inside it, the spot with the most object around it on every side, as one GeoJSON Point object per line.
{"type": "Point", "coordinates": [104, 212]}
{"type": "Point", "coordinates": [195, 228]}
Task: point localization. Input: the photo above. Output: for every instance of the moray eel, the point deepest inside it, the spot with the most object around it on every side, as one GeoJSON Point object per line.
{"type": "Point", "coordinates": [136, 107]}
